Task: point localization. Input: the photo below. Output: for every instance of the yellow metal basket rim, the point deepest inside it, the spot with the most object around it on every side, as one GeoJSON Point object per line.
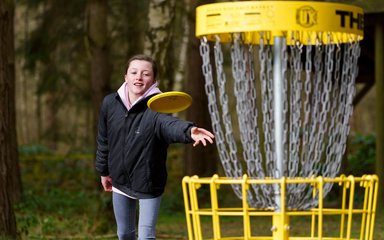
{"type": "Point", "coordinates": [305, 21]}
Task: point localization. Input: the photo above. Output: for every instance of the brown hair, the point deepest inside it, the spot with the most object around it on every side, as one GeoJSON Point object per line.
{"type": "Point", "coordinates": [147, 58]}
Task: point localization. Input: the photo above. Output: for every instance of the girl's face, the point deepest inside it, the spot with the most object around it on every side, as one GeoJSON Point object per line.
{"type": "Point", "coordinates": [139, 77]}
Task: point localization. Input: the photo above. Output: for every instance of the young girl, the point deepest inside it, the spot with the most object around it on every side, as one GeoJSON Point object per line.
{"type": "Point", "coordinates": [132, 144]}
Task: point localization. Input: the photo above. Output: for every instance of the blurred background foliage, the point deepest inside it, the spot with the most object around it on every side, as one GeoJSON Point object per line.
{"type": "Point", "coordinates": [62, 197]}
{"type": "Point", "coordinates": [361, 155]}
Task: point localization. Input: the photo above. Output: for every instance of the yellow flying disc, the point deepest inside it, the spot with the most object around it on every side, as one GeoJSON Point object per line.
{"type": "Point", "coordinates": [170, 102]}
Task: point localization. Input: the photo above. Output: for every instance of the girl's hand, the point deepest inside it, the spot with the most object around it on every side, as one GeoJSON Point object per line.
{"type": "Point", "coordinates": [106, 181]}
{"type": "Point", "coordinates": [201, 135]}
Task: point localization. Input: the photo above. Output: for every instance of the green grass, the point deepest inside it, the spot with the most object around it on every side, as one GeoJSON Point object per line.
{"type": "Point", "coordinates": [261, 226]}
{"type": "Point", "coordinates": [62, 199]}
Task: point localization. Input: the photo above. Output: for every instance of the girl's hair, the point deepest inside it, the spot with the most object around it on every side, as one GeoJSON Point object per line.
{"type": "Point", "coordinates": [144, 57]}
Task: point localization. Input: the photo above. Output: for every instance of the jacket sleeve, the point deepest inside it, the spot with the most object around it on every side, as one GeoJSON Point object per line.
{"type": "Point", "coordinates": [174, 130]}
{"type": "Point", "coordinates": [102, 142]}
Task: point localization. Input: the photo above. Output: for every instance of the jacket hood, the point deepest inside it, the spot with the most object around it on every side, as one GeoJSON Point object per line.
{"type": "Point", "coordinates": [123, 93]}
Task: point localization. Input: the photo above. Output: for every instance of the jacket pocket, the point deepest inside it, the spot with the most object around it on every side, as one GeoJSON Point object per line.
{"type": "Point", "coordinates": [139, 178]}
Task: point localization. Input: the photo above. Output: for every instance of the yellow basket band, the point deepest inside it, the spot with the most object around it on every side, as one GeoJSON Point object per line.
{"type": "Point", "coordinates": [307, 22]}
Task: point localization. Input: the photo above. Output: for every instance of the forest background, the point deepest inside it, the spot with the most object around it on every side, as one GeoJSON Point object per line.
{"type": "Point", "coordinates": [67, 58]}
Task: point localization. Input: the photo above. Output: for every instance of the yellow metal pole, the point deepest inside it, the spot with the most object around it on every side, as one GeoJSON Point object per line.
{"type": "Point", "coordinates": [350, 206]}
{"type": "Point", "coordinates": [320, 218]}
{"type": "Point", "coordinates": [365, 220]}
{"type": "Point", "coordinates": [215, 206]}
{"type": "Point", "coordinates": [313, 222]}
{"type": "Point", "coordinates": [375, 181]}
{"type": "Point", "coordinates": [343, 201]}
{"type": "Point", "coordinates": [280, 219]}
{"type": "Point", "coordinates": [187, 199]}
{"type": "Point", "coordinates": [246, 223]}
{"type": "Point", "coordinates": [193, 186]}
{"type": "Point", "coordinates": [379, 103]}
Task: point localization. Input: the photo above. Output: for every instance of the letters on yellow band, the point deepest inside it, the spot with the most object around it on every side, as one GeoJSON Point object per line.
{"type": "Point", "coordinates": [306, 21]}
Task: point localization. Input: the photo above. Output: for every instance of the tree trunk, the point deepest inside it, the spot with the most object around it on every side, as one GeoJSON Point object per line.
{"type": "Point", "coordinates": [183, 40]}
{"type": "Point", "coordinates": [158, 38]}
{"type": "Point", "coordinates": [98, 43]}
{"type": "Point", "coordinates": [49, 81]}
{"type": "Point", "coordinates": [22, 122]}
{"type": "Point", "coordinates": [134, 24]}
{"type": "Point", "coordinates": [51, 134]}
{"type": "Point", "coordinates": [379, 81]}
{"type": "Point", "coordinates": [201, 161]}
{"type": "Point", "coordinates": [9, 171]}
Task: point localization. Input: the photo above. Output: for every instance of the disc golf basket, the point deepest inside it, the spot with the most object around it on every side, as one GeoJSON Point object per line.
{"type": "Point", "coordinates": [281, 121]}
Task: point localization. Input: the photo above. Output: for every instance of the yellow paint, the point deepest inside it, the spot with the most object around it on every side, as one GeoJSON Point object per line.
{"type": "Point", "coordinates": [306, 21]}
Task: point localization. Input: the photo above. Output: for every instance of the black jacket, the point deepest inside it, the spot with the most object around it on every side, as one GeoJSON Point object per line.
{"type": "Point", "coordinates": [132, 146]}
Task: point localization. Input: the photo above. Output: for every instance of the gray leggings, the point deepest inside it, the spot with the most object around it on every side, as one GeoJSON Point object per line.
{"type": "Point", "coordinates": [125, 214]}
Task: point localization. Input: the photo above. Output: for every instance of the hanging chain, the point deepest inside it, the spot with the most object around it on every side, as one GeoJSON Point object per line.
{"type": "Point", "coordinates": [231, 170]}
{"type": "Point", "coordinates": [318, 90]}
{"type": "Point", "coordinates": [236, 169]}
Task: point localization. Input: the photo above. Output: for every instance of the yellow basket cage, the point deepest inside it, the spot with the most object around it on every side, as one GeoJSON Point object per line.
{"type": "Point", "coordinates": [350, 207]}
